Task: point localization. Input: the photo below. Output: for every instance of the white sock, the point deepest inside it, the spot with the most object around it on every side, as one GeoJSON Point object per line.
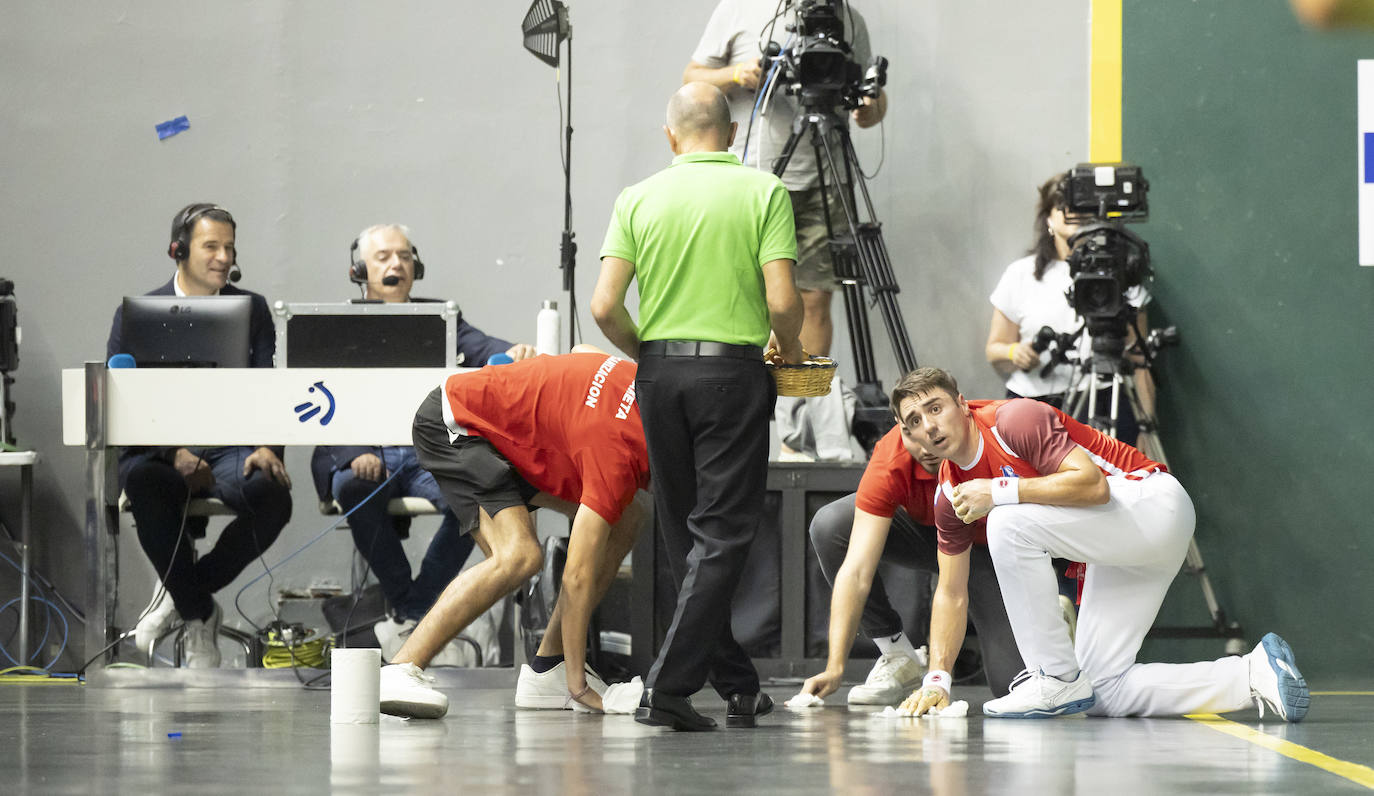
{"type": "Point", "coordinates": [897, 643]}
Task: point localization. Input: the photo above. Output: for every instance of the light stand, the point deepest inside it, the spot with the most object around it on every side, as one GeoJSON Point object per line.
{"type": "Point", "coordinates": [545, 28]}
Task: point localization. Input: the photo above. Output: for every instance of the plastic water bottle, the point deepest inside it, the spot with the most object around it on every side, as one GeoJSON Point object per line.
{"type": "Point", "coordinates": [546, 329]}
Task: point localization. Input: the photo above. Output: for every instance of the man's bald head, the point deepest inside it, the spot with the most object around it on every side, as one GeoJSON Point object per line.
{"type": "Point", "coordinates": [698, 112]}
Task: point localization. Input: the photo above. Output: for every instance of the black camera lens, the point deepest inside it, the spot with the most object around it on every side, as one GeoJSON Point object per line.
{"type": "Point", "coordinates": [1042, 339]}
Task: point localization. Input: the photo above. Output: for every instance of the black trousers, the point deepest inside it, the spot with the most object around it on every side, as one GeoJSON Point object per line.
{"type": "Point", "coordinates": [157, 498]}
{"type": "Point", "coordinates": [912, 545]}
{"type": "Point", "coordinates": [706, 425]}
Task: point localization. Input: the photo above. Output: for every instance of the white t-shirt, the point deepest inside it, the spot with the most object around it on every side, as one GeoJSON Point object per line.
{"type": "Point", "coordinates": [1030, 304]}
{"type": "Point", "coordinates": [738, 31]}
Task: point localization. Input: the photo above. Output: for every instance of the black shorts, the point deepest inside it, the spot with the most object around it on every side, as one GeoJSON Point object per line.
{"type": "Point", "coordinates": [470, 471]}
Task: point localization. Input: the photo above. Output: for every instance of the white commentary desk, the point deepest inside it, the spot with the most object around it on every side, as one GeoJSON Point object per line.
{"type": "Point", "coordinates": [104, 408]}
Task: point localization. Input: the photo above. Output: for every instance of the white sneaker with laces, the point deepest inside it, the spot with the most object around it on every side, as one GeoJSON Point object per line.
{"type": "Point", "coordinates": [893, 677]}
{"type": "Point", "coordinates": [549, 691]}
{"type": "Point", "coordinates": [407, 691]}
{"type": "Point", "coordinates": [392, 634]}
{"type": "Point", "coordinates": [1036, 695]}
{"type": "Point", "coordinates": [201, 642]}
{"type": "Point", "coordinates": [1275, 680]}
{"type": "Point", "coordinates": [158, 618]}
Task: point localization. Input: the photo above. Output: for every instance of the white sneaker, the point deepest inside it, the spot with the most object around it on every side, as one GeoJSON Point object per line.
{"type": "Point", "coordinates": [892, 678]}
{"type": "Point", "coordinates": [1036, 695]}
{"type": "Point", "coordinates": [1275, 680]}
{"type": "Point", "coordinates": [392, 634]}
{"type": "Point", "coordinates": [201, 642]}
{"type": "Point", "coordinates": [158, 618]}
{"type": "Point", "coordinates": [407, 691]}
{"type": "Point", "coordinates": [549, 691]}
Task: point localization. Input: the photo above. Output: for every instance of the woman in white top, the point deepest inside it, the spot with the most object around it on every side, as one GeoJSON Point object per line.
{"type": "Point", "coordinates": [1031, 295]}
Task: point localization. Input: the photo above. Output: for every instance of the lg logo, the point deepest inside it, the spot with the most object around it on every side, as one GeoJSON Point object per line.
{"type": "Point", "coordinates": [309, 409]}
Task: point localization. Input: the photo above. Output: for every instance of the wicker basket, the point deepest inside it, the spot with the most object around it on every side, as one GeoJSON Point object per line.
{"type": "Point", "coordinates": [806, 380]}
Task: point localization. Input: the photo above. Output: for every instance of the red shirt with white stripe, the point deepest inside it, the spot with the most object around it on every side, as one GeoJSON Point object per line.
{"type": "Point", "coordinates": [893, 479]}
{"type": "Point", "coordinates": [1022, 438]}
{"type": "Point", "coordinates": [570, 425]}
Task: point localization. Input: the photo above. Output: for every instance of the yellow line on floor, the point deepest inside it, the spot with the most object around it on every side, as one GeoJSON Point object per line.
{"type": "Point", "coordinates": [1360, 775]}
{"type": "Point", "coordinates": [1343, 693]}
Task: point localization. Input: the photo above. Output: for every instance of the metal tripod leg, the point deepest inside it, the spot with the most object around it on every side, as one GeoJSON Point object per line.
{"type": "Point", "coordinates": [1149, 444]}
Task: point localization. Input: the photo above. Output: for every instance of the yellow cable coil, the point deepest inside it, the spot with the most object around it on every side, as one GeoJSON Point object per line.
{"type": "Point", "coordinates": [310, 652]}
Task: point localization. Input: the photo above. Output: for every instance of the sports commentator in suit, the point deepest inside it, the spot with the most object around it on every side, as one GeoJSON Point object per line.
{"type": "Point", "coordinates": [385, 264]}
{"type": "Point", "coordinates": [160, 481]}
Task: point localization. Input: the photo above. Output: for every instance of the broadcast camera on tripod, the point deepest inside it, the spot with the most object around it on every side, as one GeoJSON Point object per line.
{"type": "Point", "coordinates": [1110, 266]}
{"type": "Point", "coordinates": [818, 67]}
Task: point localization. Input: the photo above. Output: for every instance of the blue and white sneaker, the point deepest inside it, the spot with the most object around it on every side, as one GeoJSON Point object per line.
{"type": "Point", "coordinates": [1036, 695]}
{"type": "Point", "coordinates": [1275, 680]}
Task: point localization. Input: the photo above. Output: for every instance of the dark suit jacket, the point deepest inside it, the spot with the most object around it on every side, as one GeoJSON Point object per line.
{"type": "Point", "coordinates": [262, 348]}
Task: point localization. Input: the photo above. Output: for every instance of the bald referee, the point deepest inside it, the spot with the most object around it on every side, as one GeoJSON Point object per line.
{"type": "Point", "coordinates": [712, 246]}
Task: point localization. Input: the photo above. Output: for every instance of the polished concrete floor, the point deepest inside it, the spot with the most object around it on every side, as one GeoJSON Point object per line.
{"type": "Point", "coordinates": [236, 731]}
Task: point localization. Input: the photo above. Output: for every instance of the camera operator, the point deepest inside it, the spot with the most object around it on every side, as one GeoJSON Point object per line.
{"type": "Point", "coordinates": [729, 56]}
{"type": "Point", "coordinates": [1030, 297]}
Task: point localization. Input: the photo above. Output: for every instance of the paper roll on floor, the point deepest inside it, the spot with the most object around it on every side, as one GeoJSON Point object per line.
{"type": "Point", "coordinates": [355, 690]}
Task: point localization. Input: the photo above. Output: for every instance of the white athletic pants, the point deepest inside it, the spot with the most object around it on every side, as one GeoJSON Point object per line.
{"type": "Point", "coordinates": [1133, 545]}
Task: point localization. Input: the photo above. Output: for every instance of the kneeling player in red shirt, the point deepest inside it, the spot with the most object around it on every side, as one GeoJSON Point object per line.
{"type": "Point", "coordinates": [561, 432]}
{"type": "Point", "coordinates": [1046, 485]}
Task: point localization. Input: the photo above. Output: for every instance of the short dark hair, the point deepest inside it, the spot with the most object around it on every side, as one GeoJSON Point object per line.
{"type": "Point", "coordinates": [922, 380]}
{"type": "Point", "coordinates": [186, 217]}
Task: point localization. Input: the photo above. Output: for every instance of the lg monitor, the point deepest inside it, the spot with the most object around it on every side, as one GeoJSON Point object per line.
{"type": "Point", "coordinates": [187, 331]}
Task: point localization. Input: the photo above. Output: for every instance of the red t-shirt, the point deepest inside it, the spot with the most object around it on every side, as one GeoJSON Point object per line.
{"type": "Point", "coordinates": [893, 478]}
{"type": "Point", "coordinates": [1022, 438]}
{"type": "Point", "coordinates": [570, 425]}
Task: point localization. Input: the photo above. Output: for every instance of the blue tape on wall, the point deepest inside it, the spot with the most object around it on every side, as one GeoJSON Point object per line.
{"type": "Point", "coordinates": [171, 128]}
{"type": "Point", "coordinates": [1369, 157]}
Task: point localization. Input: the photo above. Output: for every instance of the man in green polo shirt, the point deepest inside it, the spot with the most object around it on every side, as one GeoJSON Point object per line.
{"type": "Point", "coordinates": [712, 246]}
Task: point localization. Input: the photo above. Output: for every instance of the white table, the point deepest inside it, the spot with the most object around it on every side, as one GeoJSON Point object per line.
{"type": "Point", "coordinates": [104, 408]}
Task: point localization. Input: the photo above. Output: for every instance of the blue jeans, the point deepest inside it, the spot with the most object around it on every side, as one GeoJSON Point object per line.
{"type": "Point", "coordinates": [376, 537]}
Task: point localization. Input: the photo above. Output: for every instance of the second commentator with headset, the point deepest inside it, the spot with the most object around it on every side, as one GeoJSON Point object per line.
{"type": "Point", "coordinates": [385, 264]}
{"type": "Point", "coordinates": [158, 481]}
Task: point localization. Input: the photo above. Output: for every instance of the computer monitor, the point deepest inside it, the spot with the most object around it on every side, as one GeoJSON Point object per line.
{"type": "Point", "coordinates": [187, 331]}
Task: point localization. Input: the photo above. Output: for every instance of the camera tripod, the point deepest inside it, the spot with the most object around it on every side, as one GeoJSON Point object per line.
{"type": "Point", "coordinates": [860, 260]}
{"type": "Point", "coordinates": [1083, 391]}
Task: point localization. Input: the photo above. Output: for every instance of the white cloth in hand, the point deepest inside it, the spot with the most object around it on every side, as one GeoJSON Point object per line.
{"type": "Point", "coordinates": [954, 710]}
{"type": "Point", "coordinates": [623, 697]}
{"type": "Point", "coordinates": [805, 700]}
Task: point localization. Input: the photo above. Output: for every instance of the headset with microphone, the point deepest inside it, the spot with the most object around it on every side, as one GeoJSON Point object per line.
{"type": "Point", "coordinates": [357, 266]}
{"type": "Point", "coordinates": [182, 224]}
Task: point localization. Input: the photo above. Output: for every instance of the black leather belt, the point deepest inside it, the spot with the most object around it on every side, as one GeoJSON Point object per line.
{"type": "Point", "coordinates": [699, 348]}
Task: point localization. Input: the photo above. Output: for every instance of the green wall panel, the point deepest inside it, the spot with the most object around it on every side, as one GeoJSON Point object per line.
{"type": "Point", "coordinates": [1245, 125]}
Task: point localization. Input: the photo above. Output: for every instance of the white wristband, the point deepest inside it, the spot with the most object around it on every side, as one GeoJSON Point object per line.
{"type": "Point", "coordinates": [1006, 491]}
{"type": "Point", "coordinates": [937, 679]}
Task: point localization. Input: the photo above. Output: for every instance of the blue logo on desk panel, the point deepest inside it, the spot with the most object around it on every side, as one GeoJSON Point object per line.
{"type": "Point", "coordinates": [309, 409]}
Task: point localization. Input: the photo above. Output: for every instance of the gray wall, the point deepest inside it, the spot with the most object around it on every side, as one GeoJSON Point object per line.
{"type": "Point", "coordinates": [310, 120]}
